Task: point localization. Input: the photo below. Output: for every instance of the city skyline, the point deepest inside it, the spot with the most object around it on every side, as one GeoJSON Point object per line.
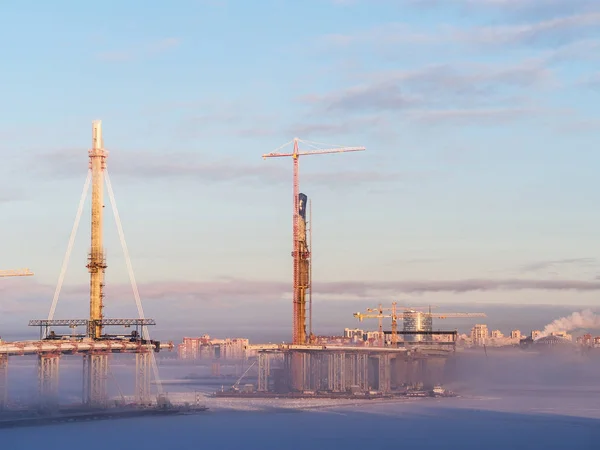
{"type": "Point", "coordinates": [478, 182]}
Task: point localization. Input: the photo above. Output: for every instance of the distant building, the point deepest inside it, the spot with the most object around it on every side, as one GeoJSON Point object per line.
{"type": "Point", "coordinates": [562, 334]}
{"type": "Point", "coordinates": [479, 335]}
{"type": "Point", "coordinates": [516, 334]}
{"type": "Point", "coordinates": [586, 340]}
{"type": "Point", "coordinates": [205, 347]}
{"type": "Point", "coordinates": [356, 334]}
{"type": "Point", "coordinates": [535, 334]}
{"type": "Point", "coordinates": [497, 334]}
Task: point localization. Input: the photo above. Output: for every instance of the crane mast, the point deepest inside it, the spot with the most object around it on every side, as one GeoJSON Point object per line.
{"type": "Point", "coordinates": [300, 249]}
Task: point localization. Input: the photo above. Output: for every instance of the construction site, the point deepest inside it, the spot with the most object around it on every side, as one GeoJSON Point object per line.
{"type": "Point", "coordinates": [398, 362]}
{"type": "Point", "coordinates": [392, 362]}
{"type": "Point", "coordinates": [94, 344]}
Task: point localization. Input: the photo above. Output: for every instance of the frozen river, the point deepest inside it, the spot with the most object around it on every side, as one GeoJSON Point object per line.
{"type": "Point", "coordinates": [502, 421]}
{"type": "Point", "coordinates": [527, 403]}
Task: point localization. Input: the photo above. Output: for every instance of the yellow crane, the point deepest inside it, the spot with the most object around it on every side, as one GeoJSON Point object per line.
{"type": "Point", "coordinates": [16, 273]}
{"type": "Point", "coordinates": [378, 313]}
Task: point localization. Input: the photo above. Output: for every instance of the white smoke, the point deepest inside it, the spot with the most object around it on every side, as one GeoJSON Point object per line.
{"type": "Point", "coordinates": [585, 319]}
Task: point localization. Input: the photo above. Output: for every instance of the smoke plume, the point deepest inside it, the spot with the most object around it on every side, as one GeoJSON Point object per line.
{"type": "Point", "coordinates": [585, 319]}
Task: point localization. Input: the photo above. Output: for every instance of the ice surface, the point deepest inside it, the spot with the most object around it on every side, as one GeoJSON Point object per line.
{"type": "Point", "coordinates": [416, 424]}
{"type": "Point", "coordinates": [509, 401]}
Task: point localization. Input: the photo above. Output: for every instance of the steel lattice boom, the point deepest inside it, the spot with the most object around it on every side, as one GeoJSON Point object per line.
{"type": "Point", "coordinates": [85, 322]}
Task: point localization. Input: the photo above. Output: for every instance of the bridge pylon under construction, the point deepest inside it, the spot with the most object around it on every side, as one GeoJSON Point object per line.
{"type": "Point", "coordinates": [94, 343]}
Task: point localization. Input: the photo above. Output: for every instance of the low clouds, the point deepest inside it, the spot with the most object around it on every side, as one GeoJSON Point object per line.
{"type": "Point", "coordinates": [455, 93]}
{"type": "Point", "coordinates": [379, 97]}
{"type": "Point", "coordinates": [554, 31]}
{"type": "Point", "coordinates": [545, 265]}
{"type": "Point", "coordinates": [174, 166]}
{"type": "Point", "coordinates": [513, 8]}
{"type": "Point", "coordinates": [214, 293]}
{"type": "Point", "coordinates": [9, 195]}
{"type": "Point", "coordinates": [442, 93]}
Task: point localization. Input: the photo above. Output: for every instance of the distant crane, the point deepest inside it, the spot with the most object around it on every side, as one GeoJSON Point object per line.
{"type": "Point", "coordinates": [380, 316]}
{"type": "Point", "coordinates": [301, 252]}
{"type": "Point", "coordinates": [410, 313]}
{"type": "Point", "coordinates": [16, 273]}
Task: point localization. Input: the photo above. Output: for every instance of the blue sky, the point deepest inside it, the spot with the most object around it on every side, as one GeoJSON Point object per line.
{"type": "Point", "coordinates": [479, 181]}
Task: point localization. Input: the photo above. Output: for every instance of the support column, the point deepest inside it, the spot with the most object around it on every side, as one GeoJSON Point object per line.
{"type": "Point", "coordinates": [315, 362]}
{"type": "Point", "coordinates": [384, 373]}
{"type": "Point", "coordinates": [142, 378]}
{"type": "Point", "coordinates": [263, 372]}
{"type": "Point", "coordinates": [307, 361]}
{"type": "Point", "coordinates": [337, 371]}
{"type": "Point", "coordinates": [435, 368]}
{"type": "Point", "coordinates": [330, 372]}
{"type": "Point", "coordinates": [95, 375]}
{"type": "Point", "coordinates": [362, 371]}
{"type": "Point", "coordinates": [215, 369]}
{"type": "Point", "coordinates": [3, 381]}
{"type": "Point", "coordinates": [422, 371]}
{"type": "Point", "coordinates": [398, 375]}
{"type": "Point", "coordinates": [48, 365]}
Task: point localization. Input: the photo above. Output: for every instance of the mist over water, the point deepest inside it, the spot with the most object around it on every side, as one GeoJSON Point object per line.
{"type": "Point", "coordinates": [510, 398]}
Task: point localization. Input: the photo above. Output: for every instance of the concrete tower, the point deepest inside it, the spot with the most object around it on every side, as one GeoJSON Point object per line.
{"type": "Point", "coordinates": [96, 262]}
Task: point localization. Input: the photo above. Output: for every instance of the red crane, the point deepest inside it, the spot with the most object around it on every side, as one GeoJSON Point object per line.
{"type": "Point", "coordinates": [301, 252]}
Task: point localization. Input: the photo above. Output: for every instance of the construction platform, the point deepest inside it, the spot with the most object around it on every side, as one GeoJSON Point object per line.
{"type": "Point", "coordinates": [310, 369]}
{"type": "Point", "coordinates": [81, 346]}
{"type": "Point", "coordinates": [95, 365]}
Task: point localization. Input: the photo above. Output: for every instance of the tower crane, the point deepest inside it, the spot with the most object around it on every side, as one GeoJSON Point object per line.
{"type": "Point", "coordinates": [301, 253]}
{"type": "Point", "coordinates": [16, 273]}
{"type": "Point", "coordinates": [378, 313]}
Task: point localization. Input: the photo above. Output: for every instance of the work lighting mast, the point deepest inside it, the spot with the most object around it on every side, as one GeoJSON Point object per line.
{"type": "Point", "coordinates": [301, 252]}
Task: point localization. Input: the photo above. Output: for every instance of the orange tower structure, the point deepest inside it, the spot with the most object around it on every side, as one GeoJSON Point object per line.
{"type": "Point", "coordinates": [301, 252]}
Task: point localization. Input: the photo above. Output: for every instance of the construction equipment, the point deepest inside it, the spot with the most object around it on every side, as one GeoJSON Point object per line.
{"type": "Point", "coordinates": [301, 252]}
{"type": "Point", "coordinates": [419, 320]}
{"type": "Point", "coordinates": [16, 273]}
{"type": "Point", "coordinates": [98, 344]}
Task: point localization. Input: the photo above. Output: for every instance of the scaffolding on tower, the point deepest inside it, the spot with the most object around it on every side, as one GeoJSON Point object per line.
{"type": "Point", "coordinates": [301, 252]}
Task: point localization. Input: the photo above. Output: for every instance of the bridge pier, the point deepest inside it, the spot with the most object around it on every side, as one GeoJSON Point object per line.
{"type": "Point", "coordinates": [337, 372]}
{"type": "Point", "coordinates": [142, 378]}
{"type": "Point", "coordinates": [384, 373]}
{"type": "Point", "coordinates": [3, 381]}
{"type": "Point", "coordinates": [263, 372]}
{"type": "Point", "coordinates": [95, 375]}
{"type": "Point", "coordinates": [48, 365]}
